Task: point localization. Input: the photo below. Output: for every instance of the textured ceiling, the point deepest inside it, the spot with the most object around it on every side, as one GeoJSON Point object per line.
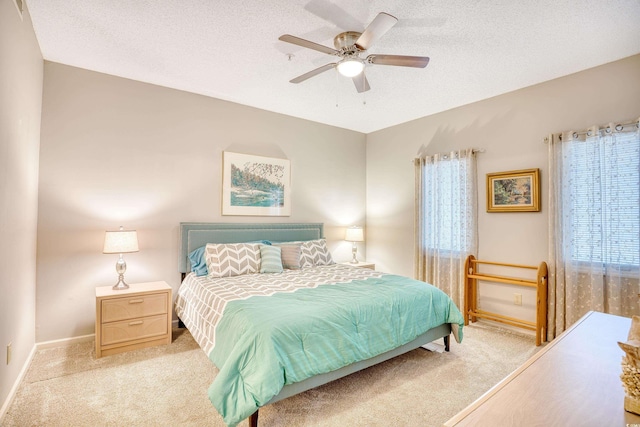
{"type": "Point", "coordinates": [230, 49]}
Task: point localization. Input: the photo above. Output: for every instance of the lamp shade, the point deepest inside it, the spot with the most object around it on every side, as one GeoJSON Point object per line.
{"type": "Point", "coordinates": [354, 234]}
{"type": "Point", "coordinates": [120, 242]}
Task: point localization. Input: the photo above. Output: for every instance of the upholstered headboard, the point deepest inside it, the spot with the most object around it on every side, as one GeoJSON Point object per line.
{"type": "Point", "coordinates": [196, 234]}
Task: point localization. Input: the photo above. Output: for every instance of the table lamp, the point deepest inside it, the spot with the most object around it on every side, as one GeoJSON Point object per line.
{"type": "Point", "coordinates": [120, 242]}
{"type": "Point", "coordinates": [354, 234]}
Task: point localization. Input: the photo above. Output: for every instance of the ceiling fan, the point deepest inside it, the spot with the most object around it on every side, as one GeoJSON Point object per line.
{"type": "Point", "coordinates": [348, 47]}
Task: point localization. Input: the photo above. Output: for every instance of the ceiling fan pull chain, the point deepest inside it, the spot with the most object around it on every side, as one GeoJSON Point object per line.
{"type": "Point", "coordinates": [337, 89]}
{"type": "Point", "coordinates": [364, 91]}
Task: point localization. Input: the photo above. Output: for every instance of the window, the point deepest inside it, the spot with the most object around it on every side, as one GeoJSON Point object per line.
{"type": "Point", "coordinates": [446, 199]}
{"type": "Point", "coordinates": [446, 216]}
{"type": "Point", "coordinates": [602, 173]}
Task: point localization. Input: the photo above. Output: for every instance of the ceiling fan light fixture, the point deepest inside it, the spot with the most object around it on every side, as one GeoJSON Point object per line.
{"type": "Point", "coordinates": [349, 45]}
{"type": "Point", "coordinates": [350, 67]}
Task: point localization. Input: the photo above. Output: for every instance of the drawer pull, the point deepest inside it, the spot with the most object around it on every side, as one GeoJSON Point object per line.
{"type": "Point", "coordinates": [135, 301]}
{"type": "Point", "coordinates": [137, 322]}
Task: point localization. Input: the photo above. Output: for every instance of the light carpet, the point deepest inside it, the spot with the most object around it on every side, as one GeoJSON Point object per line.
{"type": "Point", "coordinates": [167, 386]}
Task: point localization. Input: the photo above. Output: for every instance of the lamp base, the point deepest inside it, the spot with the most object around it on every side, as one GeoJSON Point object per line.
{"type": "Point", "coordinates": [354, 251]}
{"type": "Point", "coordinates": [121, 267]}
{"type": "Point", "coordinates": [121, 285]}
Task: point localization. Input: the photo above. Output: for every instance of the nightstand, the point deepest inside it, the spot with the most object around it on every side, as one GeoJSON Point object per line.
{"type": "Point", "coordinates": [132, 318]}
{"type": "Point", "coordinates": [361, 264]}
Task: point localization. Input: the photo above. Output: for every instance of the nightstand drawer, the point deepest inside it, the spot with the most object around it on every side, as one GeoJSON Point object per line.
{"type": "Point", "coordinates": [133, 329]}
{"type": "Point", "coordinates": [132, 307]}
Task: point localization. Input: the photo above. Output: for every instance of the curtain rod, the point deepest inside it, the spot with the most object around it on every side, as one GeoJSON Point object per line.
{"type": "Point", "coordinates": [474, 150]}
{"type": "Point", "coordinates": [618, 126]}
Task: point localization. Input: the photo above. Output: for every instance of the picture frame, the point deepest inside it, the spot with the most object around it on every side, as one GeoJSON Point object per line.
{"type": "Point", "coordinates": [514, 191]}
{"type": "Point", "coordinates": [255, 185]}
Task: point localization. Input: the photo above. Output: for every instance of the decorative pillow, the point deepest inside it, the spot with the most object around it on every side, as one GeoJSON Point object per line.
{"type": "Point", "coordinates": [198, 262]}
{"type": "Point", "coordinates": [290, 254]}
{"type": "Point", "coordinates": [232, 259]}
{"type": "Point", "coordinates": [270, 259]}
{"type": "Point", "coordinates": [315, 252]}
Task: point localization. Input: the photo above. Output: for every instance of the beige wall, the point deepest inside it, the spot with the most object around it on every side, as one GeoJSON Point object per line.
{"type": "Point", "coordinates": [119, 152]}
{"type": "Point", "coordinates": [511, 128]}
{"type": "Point", "coordinates": [20, 105]}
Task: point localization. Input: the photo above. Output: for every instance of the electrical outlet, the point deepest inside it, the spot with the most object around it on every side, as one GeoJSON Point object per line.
{"type": "Point", "coordinates": [8, 353]}
{"type": "Point", "coordinates": [517, 299]}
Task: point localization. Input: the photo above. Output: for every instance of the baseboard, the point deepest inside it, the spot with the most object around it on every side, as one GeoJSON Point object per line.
{"type": "Point", "coordinates": [65, 341]}
{"type": "Point", "coordinates": [76, 340]}
{"type": "Point", "coordinates": [514, 329]}
{"type": "Point", "coordinates": [14, 389]}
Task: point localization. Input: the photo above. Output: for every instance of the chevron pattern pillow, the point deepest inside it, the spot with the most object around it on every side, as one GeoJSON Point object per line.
{"type": "Point", "coordinates": [232, 259]}
{"type": "Point", "coordinates": [315, 252]}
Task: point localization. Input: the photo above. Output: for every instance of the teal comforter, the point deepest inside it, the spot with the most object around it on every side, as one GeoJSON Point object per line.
{"type": "Point", "coordinates": [265, 342]}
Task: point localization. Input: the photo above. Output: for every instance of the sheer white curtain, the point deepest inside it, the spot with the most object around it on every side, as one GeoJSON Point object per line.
{"type": "Point", "coordinates": [594, 224]}
{"type": "Point", "coordinates": [446, 218]}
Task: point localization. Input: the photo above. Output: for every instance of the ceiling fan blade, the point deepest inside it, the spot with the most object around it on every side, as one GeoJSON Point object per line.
{"type": "Point", "coordinates": [362, 85]}
{"type": "Point", "coordinates": [399, 60]}
{"type": "Point", "coordinates": [333, 13]}
{"type": "Point", "coordinates": [308, 44]}
{"type": "Point", "coordinates": [378, 27]}
{"type": "Point", "coordinates": [320, 34]}
{"type": "Point", "coordinates": [312, 73]}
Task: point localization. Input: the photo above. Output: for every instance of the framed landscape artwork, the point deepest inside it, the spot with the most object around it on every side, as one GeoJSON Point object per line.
{"type": "Point", "coordinates": [255, 185]}
{"type": "Point", "coordinates": [514, 191]}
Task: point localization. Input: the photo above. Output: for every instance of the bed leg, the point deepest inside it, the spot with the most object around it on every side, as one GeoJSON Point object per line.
{"type": "Point", "coordinates": [253, 419]}
{"type": "Point", "coordinates": [446, 343]}
{"type": "Point", "coordinates": [180, 324]}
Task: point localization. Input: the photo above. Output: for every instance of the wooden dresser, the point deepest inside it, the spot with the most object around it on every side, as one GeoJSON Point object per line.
{"type": "Point", "coordinates": [573, 381]}
{"type": "Point", "coordinates": [133, 318]}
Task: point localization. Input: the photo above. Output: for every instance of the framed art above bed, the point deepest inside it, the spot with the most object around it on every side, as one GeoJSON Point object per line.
{"type": "Point", "coordinates": [255, 185]}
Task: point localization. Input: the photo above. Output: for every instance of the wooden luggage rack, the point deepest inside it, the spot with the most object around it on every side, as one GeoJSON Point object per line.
{"type": "Point", "coordinates": [471, 311]}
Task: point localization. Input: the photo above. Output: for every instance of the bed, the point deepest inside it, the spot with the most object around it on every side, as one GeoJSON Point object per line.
{"type": "Point", "coordinates": [279, 333]}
